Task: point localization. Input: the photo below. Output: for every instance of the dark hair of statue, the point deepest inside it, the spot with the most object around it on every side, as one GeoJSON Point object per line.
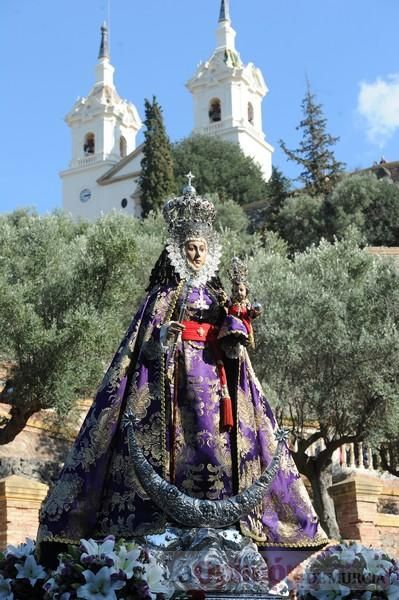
{"type": "Point", "coordinates": [164, 274]}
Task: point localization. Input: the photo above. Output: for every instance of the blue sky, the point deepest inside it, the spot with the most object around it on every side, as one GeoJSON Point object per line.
{"type": "Point", "coordinates": [348, 50]}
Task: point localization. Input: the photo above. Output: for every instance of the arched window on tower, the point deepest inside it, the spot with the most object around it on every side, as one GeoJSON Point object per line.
{"type": "Point", "coordinates": [89, 144]}
{"type": "Point", "coordinates": [122, 147]}
{"type": "Point", "coordinates": [250, 113]}
{"type": "Point", "coordinates": [215, 110]}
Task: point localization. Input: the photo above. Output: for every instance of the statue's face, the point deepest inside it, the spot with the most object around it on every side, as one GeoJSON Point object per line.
{"type": "Point", "coordinates": [196, 251]}
{"type": "Point", "coordinates": [239, 292]}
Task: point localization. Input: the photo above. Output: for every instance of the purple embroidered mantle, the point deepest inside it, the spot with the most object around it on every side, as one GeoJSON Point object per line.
{"type": "Point", "coordinates": [98, 492]}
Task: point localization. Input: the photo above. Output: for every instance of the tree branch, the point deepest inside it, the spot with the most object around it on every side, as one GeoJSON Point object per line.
{"type": "Point", "coordinates": [304, 444]}
{"type": "Point", "coordinates": [323, 457]}
{"type": "Point", "coordinates": [16, 422]}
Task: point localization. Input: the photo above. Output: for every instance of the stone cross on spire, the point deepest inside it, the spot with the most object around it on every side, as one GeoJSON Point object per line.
{"type": "Point", "coordinates": [224, 14]}
{"type": "Point", "coordinates": [104, 45]}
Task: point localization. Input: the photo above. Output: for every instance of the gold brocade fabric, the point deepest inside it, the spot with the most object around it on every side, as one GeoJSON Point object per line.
{"type": "Point", "coordinates": [99, 493]}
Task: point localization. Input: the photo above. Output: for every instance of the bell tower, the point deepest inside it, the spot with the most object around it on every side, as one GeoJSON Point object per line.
{"type": "Point", "coordinates": [227, 96]}
{"type": "Point", "coordinates": [103, 130]}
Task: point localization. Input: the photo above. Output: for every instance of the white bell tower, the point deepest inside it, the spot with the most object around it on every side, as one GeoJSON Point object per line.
{"type": "Point", "coordinates": [228, 97]}
{"type": "Point", "coordinates": [103, 129]}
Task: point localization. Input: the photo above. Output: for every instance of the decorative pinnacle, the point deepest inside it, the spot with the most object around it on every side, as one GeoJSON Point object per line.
{"type": "Point", "coordinates": [224, 14]}
{"type": "Point", "coordinates": [189, 189]}
{"type": "Point", "coordinates": [104, 46]}
{"type": "Point", "coordinates": [190, 177]}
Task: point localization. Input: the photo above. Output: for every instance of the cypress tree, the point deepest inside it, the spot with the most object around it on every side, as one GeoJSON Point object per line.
{"type": "Point", "coordinates": [157, 178]}
{"type": "Point", "coordinates": [321, 170]}
{"type": "Point", "coordinates": [277, 191]}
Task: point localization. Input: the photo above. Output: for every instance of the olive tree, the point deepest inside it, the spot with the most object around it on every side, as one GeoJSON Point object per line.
{"type": "Point", "coordinates": [328, 351]}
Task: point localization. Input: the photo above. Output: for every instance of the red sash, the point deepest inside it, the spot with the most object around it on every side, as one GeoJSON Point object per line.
{"type": "Point", "coordinates": [199, 332]}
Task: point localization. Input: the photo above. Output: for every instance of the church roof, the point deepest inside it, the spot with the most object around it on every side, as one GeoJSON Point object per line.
{"type": "Point", "coordinates": [121, 169]}
{"type": "Point", "coordinates": [385, 169]}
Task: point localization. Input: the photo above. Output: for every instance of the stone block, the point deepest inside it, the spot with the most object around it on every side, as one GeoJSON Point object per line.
{"type": "Point", "coordinates": [20, 501]}
{"type": "Point", "coordinates": [356, 502]}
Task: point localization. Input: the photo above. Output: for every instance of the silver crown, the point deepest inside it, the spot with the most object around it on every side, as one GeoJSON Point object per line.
{"type": "Point", "coordinates": [238, 271]}
{"type": "Point", "coordinates": [189, 215]}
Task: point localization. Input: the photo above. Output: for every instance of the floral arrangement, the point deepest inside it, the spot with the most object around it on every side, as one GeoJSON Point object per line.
{"type": "Point", "coordinates": [94, 571]}
{"type": "Point", "coordinates": [350, 571]}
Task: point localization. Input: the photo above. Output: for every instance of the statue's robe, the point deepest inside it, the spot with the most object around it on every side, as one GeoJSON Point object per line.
{"type": "Point", "coordinates": [98, 492]}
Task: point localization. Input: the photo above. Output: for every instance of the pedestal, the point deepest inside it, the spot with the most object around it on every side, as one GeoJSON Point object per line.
{"type": "Point", "coordinates": [223, 564]}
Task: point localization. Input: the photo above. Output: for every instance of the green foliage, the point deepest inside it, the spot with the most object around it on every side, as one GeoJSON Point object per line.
{"type": "Point", "coordinates": [359, 201]}
{"type": "Point", "coordinates": [219, 167]}
{"type": "Point", "coordinates": [321, 170]}
{"type": "Point", "coordinates": [277, 191]}
{"type": "Point", "coordinates": [330, 333]}
{"type": "Point", "coordinates": [300, 221]}
{"type": "Point", "coordinates": [157, 178]}
{"type": "Point", "coordinates": [68, 293]}
{"type": "Point", "coordinates": [347, 204]}
{"type": "Point", "coordinates": [368, 203]}
{"type": "Point", "coordinates": [230, 215]}
{"type": "Point", "coordinates": [328, 352]}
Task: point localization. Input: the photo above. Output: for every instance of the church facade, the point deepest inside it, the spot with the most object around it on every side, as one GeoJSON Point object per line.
{"type": "Point", "coordinates": [103, 174]}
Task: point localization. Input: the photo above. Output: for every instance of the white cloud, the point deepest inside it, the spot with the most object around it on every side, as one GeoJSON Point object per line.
{"type": "Point", "coordinates": [378, 104]}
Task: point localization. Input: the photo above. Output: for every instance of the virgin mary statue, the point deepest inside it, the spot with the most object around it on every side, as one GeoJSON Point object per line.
{"type": "Point", "coordinates": [200, 418]}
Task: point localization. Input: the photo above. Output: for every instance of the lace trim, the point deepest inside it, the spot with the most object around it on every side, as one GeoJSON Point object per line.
{"type": "Point", "coordinates": [182, 268]}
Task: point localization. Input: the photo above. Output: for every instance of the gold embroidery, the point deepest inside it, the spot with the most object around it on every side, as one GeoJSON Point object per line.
{"type": "Point", "coordinates": [247, 417]}
{"type": "Point", "coordinates": [139, 400]}
{"type": "Point", "coordinates": [149, 439]}
{"type": "Point", "coordinates": [61, 496]}
{"type": "Point", "coordinates": [251, 470]}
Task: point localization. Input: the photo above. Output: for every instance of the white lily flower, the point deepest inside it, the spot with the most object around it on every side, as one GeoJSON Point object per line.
{"type": "Point", "coordinates": [94, 549]}
{"type": "Point", "coordinates": [347, 556]}
{"type": "Point", "coordinates": [375, 564]}
{"type": "Point", "coordinates": [5, 589]}
{"type": "Point", "coordinates": [50, 585]}
{"type": "Point", "coordinates": [99, 585]}
{"type": "Point", "coordinates": [22, 550]}
{"type": "Point", "coordinates": [30, 570]}
{"type": "Point", "coordinates": [127, 560]}
{"type": "Point", "coordinates": [393, 590]}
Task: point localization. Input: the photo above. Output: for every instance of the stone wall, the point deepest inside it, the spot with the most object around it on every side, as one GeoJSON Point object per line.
{"type": "Point", "coordinates": [359, 504]}
{"type": "Point", "coordinates": [20, 501]}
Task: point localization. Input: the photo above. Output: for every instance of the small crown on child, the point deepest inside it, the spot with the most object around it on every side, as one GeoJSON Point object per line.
{"type": "Point", "coordinates": [238, 271]}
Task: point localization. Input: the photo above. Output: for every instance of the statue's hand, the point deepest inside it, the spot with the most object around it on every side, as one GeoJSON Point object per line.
{"type": "Point", "coordinates": [169, 333]}
{"type": "Point", "coordinates": [174, 330]}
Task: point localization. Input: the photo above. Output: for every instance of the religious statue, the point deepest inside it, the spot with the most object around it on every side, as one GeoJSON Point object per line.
{"type": "Point", "coordinates": [240, 307]}
{"type": "Point", "coordinates": [179, 432]}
